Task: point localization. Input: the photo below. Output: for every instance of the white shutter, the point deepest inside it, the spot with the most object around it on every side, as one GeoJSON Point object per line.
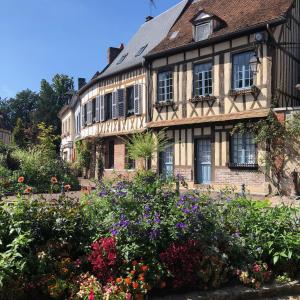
{"type": "Point", "coordinates": [115, 105]}
{"type": "Point", "coordinates": [102, 108]}
{"type": "Point", "coordinates": [89, 113]}
{"type": "Point", "coordinates": [97, 108]}
{"type": "Point", "coordinates": [138, 96]}
{"type": "Point", "coordinates": [121, 103]}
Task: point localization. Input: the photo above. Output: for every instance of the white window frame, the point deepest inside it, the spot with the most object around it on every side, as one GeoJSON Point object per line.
{"type": "Point", "coordinates": [165, 86]}
{"type": "Point", "coordinates": [203, 79]}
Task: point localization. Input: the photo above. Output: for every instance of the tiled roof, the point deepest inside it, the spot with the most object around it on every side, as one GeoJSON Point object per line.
{"type": "Point", "coordinates": [150, 34]}
{"type": "Point", "coordinates": [237, 15]}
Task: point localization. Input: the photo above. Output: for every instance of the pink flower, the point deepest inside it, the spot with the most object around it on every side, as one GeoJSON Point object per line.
{"type": "Point", "coordinates": [92, 295]}
{"type": "Point", "coordinates": [256, 268]}
{"type": "Point", "coordinates": [128, 296]}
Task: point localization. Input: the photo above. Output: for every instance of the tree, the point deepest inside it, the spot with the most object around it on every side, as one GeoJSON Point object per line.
{"type": "Point", "coordinates": [23, 107]}
{"type": "Point", "coordinates": [18, 134]}
{"type": "Point", "coordinates": [145, 145]}
{"type": "Point", "coordinates": [47, 140]}
{"type": "Point", "coordinates": [62, 85]}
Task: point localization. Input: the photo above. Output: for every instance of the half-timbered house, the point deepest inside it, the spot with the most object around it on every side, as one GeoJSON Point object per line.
{"type": "Point", "coordinates": [114, 102]}
{"type": "Point", "coordinates": [223, 62]}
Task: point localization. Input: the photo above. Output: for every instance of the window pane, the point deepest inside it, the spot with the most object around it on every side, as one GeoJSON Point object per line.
{"type": "Point", "coordinates": [243, 149]}
{"type": "Point", "coordinates": [203, 79]}
{"type": "Point", "coordinates": [202, 32]}
{"type": "Point", "coordinates": [242, 74]}
{"type": "Point", "coordinates": [165, 84]}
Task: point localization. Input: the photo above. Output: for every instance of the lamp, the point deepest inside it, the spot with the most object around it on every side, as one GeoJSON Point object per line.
{"type": "Point", "coordinates": [254, 62]}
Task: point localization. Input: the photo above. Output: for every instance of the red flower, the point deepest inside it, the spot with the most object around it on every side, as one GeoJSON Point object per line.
{"type": "Point", "coordinates": [134, 263]}
{"type": "Point", "coordinates": [135, 285]}
{"type": "Point", "coordinates": [28, 190]}
{"type": "Point", "coordinates": [67, 187]}
{"type": "Point", "coordinates": [92, 295]}
{"type": "Point", "coordinates": [144, 268]}
{"type": "Point", "coordinates": [256, 268]}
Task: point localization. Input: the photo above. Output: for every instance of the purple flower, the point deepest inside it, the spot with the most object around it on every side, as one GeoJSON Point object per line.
{"type": "Point", "coordinates": [156, 218]}
{"type": "Point", "coordinates": [114, 232]}
{"type": "Point", "coordinates": [195, 208]}
{"type": "Point", "coordinates": [236, 234]}
{"type": "Point", "coordinates": [181, 225]}
{"type": "Point", "coordinates": [186, 210]}
{"type": "Point", "coordinates": [147, 208]}
{"type": "Point", "coordinates": [154, 233]}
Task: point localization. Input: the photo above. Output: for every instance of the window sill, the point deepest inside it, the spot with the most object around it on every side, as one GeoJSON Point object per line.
{"type": "Point", "coordinates": [165, 104]}
{"type": "Point", "coordinates": [235, 166]}
{"type": "Point", "coordinates": [197, 99]}
{"type": "Point", "coordinates": [252, 90]}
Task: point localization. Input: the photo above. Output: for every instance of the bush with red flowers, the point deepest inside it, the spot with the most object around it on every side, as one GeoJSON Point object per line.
{"type": "Point", "coordinates": [183, 261]}
{"type": "Point", "coordinates": [103, 259]}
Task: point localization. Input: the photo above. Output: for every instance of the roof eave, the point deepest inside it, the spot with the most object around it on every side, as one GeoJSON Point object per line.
{"type": "Point", "coordinates": [216, 39]}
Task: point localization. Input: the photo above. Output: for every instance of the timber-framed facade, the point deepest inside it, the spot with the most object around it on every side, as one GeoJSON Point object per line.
{"type": "Point", "coordinates": [214, 65]}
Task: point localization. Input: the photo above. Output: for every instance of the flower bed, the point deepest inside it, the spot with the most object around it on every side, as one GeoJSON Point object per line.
{"type": "Point", "coordinates": [133, 238]}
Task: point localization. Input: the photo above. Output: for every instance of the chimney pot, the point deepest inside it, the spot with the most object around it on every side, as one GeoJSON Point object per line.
{"type": "Point", "coordinates": [149, 18]}
{"type": "Point", "coordinates": [113, 52]}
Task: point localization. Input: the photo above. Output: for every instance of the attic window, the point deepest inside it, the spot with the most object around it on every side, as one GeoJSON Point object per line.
{"type": "Point", "coordinates": [142, 49]}
{"type": "Point", "coordinates": [202, 31]}
{"type": "Point", "coordinates": [122, 58]}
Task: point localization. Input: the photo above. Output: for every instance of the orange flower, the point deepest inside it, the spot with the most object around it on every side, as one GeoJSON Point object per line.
{"type": "Point", "coordinates": [119, 280]}
{"type": "Point", "coordinates": [67, 187]}
{"type": "Point", "coordinates": [144, 268]}
{"type": "Point", "coordinates": [28, 190]}
{"type": "Point", "coordinates": [128, 281]}
{"type": "Point", "coordinates": [21, 179]}
{"type": "Point", "coordinates": [135, 285]}
{"type": "Point", "coordinates": [54, 180]}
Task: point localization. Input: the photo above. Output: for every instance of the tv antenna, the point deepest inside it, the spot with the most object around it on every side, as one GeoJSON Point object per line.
{"type": "Point", "coordinates": [151, 6]}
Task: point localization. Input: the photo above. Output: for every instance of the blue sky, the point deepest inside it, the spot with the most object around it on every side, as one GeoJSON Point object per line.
{"type": "Point", "coordinates": [40, 38]}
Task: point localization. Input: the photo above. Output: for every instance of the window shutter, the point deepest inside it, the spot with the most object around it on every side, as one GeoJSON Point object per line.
{"type": "Point", "coordinates": [89, 112]}
{"type": "Point", "coordinates": [138, 95]}
{"type": "Point", "coordinates": [102, 108]}
{"type": "Point", "coordinates": [82, 117]}
{"type": "Point", "coordinates": [121, 103]}
{"type": "Point", "coordinates": [115, 105]}
{"type": "Point", "coordinates": [97, 108]}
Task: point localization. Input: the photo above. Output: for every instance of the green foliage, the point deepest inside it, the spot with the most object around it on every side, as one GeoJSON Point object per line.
{"type": "Point", "coordinates": [145, 145]}
{"type": "Point", "coordinates": [84, 154]}
{"type": "Point", "coordinates": [47, 140]}
{"type": "Point", "coordinates": [18, 134]}
{"type": "Point", "coordinates": [280, 139]}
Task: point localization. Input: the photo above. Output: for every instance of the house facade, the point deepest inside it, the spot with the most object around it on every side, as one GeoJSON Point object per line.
{"type": "Point", "coordinates": [5, 134]}
{"type": "Point", "coordinates": [215, 64]}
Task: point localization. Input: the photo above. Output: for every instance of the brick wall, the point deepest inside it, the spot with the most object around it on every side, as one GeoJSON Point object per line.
{"type": "Point", "coordinates": [186, 172]}
{"type": "Point", "coordinates": [238, 177]}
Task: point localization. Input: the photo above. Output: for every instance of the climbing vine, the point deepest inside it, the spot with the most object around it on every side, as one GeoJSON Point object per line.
{"type": "Point", "coordinates": [280, 139]}
{"type": "Point", "coordinates": [84, 154]}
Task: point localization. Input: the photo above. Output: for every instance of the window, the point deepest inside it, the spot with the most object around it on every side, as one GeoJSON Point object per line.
{"type": "Point", "coordinates": [203, 79]}
{"type": "Point", "coordinates": [242, 74]}
{"type": "Point", "coordinates": [130, 101]}
{"type": "Point", "coordinates": [243, 150]}
{"type": "Point", "coordinates": [129, 162]}
{"type": "Point", "coordinates": [202, 31]}
{"type": "Point", "coordinates": [165, 86]}
{"type": "Point", "coordinates": [108, 106]}
{"type": "Point", "coordinates": [111, 155]}
{"type": "Point", "coordinates": [142, 49]}
{"type": "Point", "coordinates": [122, 59]}
{"type": "Point", "coordinates": [166, 161]}
{"type": "Point", "coordinates": [94, 110]}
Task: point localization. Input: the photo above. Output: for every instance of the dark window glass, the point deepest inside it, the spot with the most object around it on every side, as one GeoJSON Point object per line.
{"type": "Point", "coordinates": [243, 149]}
{"type": "Point", "coordinates": [165, 86]}
{"type": "Point", "coordinates": [94, 110]}
{"type": "Point", "coordinates": [85, 113]}
{"type": "Point", "coordinates": [242, 74]}
{"type": "Point", "coordinates": [111, 155]}
{"type": "Point", "coordinates": [167, 161]}
{"type": "Point", "coordinates": [108, 104]}
{"type": "Point", "coordinates": [130, 101]}
{"type": "Point", "coordinates": [129, 162]}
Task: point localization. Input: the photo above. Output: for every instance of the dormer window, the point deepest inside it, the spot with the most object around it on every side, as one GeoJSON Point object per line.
{"type": "Point", "coordinates": [205, 25]}
{"type": "Point", "coordinates": [202, 31]}
{"type": "Point", "coordinates": [122, 59]}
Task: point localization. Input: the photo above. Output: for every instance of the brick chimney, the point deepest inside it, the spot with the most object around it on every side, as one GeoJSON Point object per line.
{"type": "Point", "coordinates": [81, 83]}
{"type": "Point", "coordinates": [113, 52]}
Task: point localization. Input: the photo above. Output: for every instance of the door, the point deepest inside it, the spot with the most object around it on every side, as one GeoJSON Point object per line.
{"type": "Point", "coordinates": [203, 161]}
{"type": "Point", "coordinates": [167, 159]}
